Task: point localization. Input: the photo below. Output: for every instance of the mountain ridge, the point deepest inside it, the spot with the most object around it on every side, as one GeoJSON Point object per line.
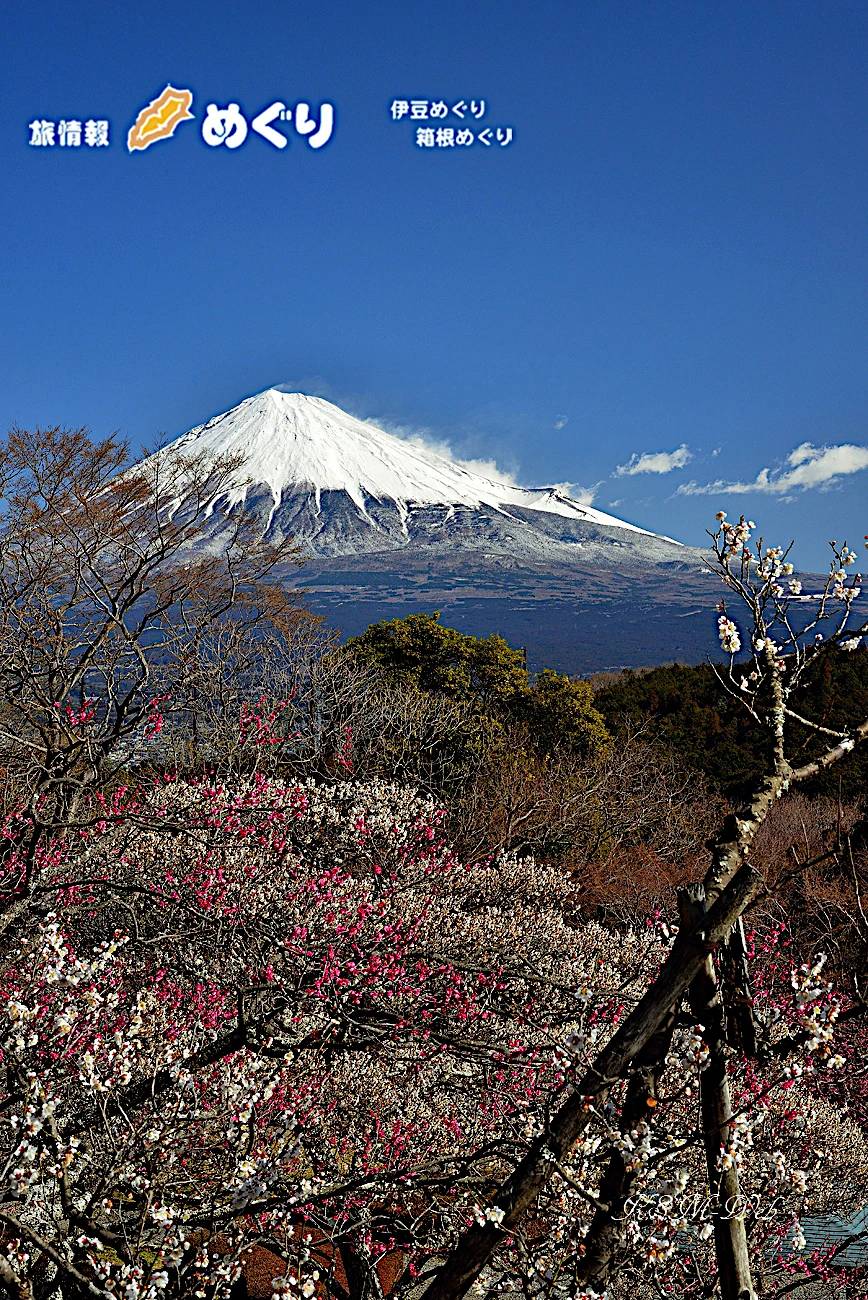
{"type": "Point", "coordinates": [391, 526]}
{"type": "Point", "coordinates": [341, 486]}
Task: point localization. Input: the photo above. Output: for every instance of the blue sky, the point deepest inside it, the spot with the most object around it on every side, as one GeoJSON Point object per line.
{"type": "Point", "coordinates": [668, 261]}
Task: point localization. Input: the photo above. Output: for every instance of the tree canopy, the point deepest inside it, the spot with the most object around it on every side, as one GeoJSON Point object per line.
{"type": "Point", "coordinates": [488, 674]}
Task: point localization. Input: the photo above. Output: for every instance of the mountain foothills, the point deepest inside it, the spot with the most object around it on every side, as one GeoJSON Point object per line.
{"type": "Point", "coordinates": [391, 526]}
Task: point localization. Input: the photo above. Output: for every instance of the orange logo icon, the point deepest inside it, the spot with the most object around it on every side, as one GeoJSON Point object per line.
{"type": "Point", "coordinates": [160, 118]}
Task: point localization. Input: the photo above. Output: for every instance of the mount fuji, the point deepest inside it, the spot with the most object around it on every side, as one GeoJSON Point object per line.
{"type": "Point", "coordinates": [342, 486]}
{"type": "Point", "coordinates": [391, 525]}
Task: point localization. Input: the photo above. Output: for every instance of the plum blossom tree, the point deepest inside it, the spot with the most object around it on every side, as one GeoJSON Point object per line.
{"type": "Point", "coordinates": [266, 1014]}
{"type": "Point", "coordinates": [299, 1021]}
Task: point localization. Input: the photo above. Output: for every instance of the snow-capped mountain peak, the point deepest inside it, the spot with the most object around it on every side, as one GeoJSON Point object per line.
{"type": "Point", "coordinates": [339, 485]}
{"type": "Point", "coordinates": [291, 441]}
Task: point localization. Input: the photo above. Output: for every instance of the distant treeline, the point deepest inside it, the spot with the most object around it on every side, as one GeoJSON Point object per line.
{"type": "Point", "coordinates": [689, 710]}
{"type": "Point", "coordinates": [684, 710]}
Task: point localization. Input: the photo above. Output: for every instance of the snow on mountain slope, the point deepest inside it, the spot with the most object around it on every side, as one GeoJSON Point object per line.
{"type": "Point", "coordinates": [343, 486]}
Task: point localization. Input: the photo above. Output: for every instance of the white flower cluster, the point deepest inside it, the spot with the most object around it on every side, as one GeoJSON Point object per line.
{"type": "Point", "coordinates": [728, 634]}
{"type": "Point", "coordinates": [491, 1214]}
{"type": "Point", "coordinates": [735, 537]}
{"type": "Point", "coordinates": [771, 566]}
{"type": "Point", "coordinates": [819, 1008]}
{"type": "Point", "coordinates": [688, 1056]}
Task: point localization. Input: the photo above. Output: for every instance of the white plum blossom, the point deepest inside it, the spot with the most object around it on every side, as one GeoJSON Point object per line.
{"type": "Point", "coordinates": [729, 636]}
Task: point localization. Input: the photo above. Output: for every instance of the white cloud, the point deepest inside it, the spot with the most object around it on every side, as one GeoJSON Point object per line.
{"type": "Point", "coordinates": [484, 468]}
{"type": "Point", "coordinates": [655, 462]}
{"type": "Point", "coordinates": [428, 443]}
{"type": "Point", "coordinates": [808, 466]}
{"type": "Point", "coordinates": [560, 421]}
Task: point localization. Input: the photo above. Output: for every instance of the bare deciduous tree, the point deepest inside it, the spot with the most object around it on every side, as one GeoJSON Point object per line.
{"type": "Point", "coordinates": [109, 622]}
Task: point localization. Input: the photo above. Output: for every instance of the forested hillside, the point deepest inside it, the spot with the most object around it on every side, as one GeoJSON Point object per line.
{"type": "Point", "coordinates": [690, 709]}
